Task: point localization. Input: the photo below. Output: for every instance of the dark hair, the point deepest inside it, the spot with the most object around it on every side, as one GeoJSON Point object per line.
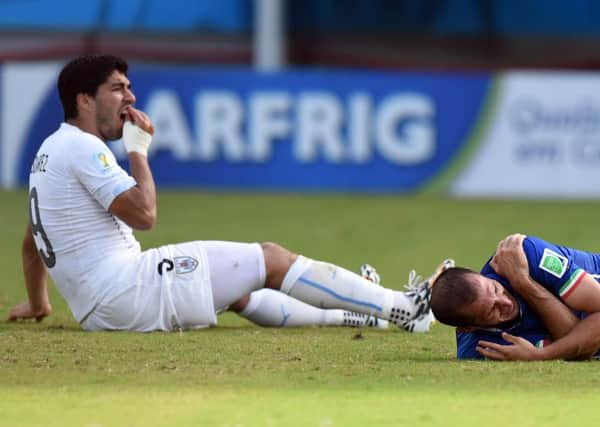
{"type": "Point", "coordinates": [84, 75]}
{"type": "Point", "coordinates": [452, 292]}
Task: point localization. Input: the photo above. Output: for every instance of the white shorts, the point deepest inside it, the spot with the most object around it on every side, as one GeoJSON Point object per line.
{"type": "Point", "coordinates": [172, 287]}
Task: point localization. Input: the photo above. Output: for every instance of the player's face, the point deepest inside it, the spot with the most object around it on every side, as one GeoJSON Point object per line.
{"type": "Point", "coordinates": [493, 305]}
{"type": "Point", "coordinates": [113, 98]}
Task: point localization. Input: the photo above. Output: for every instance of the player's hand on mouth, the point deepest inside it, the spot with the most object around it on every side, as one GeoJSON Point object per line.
{"type": "Point", "coordinates": [139, 118]}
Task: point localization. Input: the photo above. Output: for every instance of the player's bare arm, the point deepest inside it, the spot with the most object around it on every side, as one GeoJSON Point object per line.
{"type": "Point", "coordinates": [510, 262]}
{"type": "Point", "coordinates": [137, 206]}
{"type": "Point", "coordinates": [36, 281]}
{"type": "Point", "coordinates": [580, 344]}
{"type": "Point", "coordinates": [583, 338]}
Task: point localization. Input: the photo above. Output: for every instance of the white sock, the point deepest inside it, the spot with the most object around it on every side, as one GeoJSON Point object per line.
{"type": "Point", "coordinates": [268, 307]}
{"type": "Point", "coordinates": [328, 286]}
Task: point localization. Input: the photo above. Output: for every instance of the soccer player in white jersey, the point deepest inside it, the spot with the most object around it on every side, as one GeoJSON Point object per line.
{"type": "Point", "coordinates": [83, 208]}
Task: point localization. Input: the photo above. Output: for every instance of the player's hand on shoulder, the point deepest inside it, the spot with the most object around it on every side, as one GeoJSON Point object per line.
{"type": "Point", "coordinates": [25, 311]}
{"type": "Point", "coordinates": [510, 261]}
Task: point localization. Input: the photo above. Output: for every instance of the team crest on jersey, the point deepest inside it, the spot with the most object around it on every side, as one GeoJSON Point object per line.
{"type": "Point", "coordinates": [553, 263]}
{"type": "Point", "coordinates": [185, 264]}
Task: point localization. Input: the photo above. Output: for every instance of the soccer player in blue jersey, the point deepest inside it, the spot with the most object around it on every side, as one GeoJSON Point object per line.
{"type": "Point", "coordinates": [532, 300]}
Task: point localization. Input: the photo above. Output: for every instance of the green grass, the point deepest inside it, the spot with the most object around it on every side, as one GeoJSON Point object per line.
{"type": "Point", "coordinates": [240, 375]}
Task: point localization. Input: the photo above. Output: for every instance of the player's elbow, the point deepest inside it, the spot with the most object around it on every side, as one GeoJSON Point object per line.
{"type": "Point", "coordinates": [585, 352]}
{"type": "Point", "coordinates": [580, 358]}
{"type": "Point", "coordinates": [138, 218]}
{"type": "Point", "coordinates": [146, 220]}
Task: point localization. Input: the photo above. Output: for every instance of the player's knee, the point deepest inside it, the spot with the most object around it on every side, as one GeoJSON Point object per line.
{"type": "Point", "coordinates": [276, 252]}
{"type": "Point", "coordinates": [278, 261]}
{"type": "Point", "coordinates": [240, 304]}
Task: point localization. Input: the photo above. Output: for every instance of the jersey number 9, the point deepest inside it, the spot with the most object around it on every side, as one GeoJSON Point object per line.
{"type": "Point", "coordinates": [47, 253]}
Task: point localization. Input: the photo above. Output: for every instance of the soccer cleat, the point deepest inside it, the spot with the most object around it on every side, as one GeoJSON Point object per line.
{"type": "Point", "coordinates": [360, 320]}
{"type": "Point", "coordinates": [368, 272]}
{"type": "Point", "coordinates": [419, 291]}
{"type": "Point", "coordinates": [421, 324]}
{"type": "Point", "coordinates": [444, 265]}
{"type": "Point", "coordinates": [352, 318]}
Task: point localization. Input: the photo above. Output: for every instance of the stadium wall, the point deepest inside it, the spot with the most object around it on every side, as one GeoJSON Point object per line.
{"type": "Point", "coordinates": [464, 134]}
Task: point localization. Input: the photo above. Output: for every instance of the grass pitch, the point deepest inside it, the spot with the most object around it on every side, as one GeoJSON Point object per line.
{"type": "Point", "coordinates": [53, 374]}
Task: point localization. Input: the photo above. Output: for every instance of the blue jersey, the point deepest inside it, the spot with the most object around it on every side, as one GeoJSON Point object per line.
{"type": "Point", "coordinates": [558, 268]}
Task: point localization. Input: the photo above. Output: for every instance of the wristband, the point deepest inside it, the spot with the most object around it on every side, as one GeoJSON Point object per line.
{"type": "Point", "coordinates": [136, 139]}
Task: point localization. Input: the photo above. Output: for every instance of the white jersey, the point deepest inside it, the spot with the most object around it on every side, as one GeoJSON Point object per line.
{"type": "Point", "coordinates": [74, 179]}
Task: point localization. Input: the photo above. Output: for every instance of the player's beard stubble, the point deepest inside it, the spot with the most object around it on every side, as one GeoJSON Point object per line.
{"type": "Point", "coordinates": [110, 125]}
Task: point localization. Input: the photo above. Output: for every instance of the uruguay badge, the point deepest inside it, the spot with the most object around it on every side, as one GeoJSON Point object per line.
{"type": "Point", "coordinates": [185, 264]}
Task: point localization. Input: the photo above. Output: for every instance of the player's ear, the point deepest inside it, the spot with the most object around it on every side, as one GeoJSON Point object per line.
{"type": "Point", "coordinates": [465, 328]}
{"type": "Point", "coordinates": [84, 101]}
